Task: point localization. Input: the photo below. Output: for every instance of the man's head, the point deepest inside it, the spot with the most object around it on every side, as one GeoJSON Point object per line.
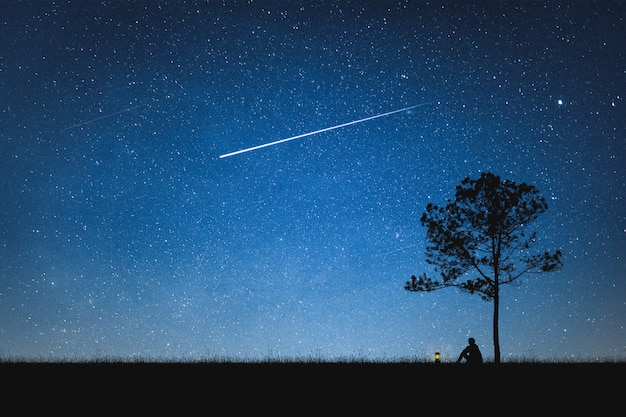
{"type": "Point", "coordinates": [471, 341]}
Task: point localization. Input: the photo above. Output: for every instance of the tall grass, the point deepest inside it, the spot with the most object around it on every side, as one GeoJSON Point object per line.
{"type": "Point", "coordinates": [272, 358]}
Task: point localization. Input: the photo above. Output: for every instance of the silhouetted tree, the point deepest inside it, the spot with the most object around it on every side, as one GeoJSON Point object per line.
{"type": "Point", "coordinates": [480, 235]}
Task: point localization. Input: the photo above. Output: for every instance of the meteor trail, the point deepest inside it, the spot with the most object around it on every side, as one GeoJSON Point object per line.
{"type": "Point", "coordinates": [320, 131]}
{"type": "Point", "coordinates": [104, 117]}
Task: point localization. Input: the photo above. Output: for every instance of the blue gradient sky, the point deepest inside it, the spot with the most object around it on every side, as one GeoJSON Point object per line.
{"type": "Point", "coordinates": [123, 234]}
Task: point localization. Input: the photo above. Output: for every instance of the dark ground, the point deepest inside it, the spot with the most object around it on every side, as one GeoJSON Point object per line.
{"type": "Point", "coordinates": [307, 388]}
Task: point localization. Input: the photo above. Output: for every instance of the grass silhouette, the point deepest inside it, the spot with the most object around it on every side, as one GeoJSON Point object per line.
{"type": "Point", "coordinates": [276, 358]}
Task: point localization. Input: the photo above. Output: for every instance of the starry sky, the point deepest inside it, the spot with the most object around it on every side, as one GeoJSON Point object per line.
{"type": "Point", "coordinates": [124, 234]}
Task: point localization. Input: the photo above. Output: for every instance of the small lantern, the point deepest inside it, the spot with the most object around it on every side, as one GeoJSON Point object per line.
{"type": "Point", "coordinates": [437, 357]}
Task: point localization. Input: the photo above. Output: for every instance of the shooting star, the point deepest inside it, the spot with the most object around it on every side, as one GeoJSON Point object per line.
{"type": "Point", "coordinates": [104, 117]}
{"type": "Point", "coordinates": [321, 130]}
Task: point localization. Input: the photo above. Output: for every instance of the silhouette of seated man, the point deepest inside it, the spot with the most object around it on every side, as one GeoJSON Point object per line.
{"type": "Point", "coordinates": [471, 353]}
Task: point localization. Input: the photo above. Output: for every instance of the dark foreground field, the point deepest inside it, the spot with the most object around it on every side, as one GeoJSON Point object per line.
{"type": "Point", "coordinates": [307, 388]}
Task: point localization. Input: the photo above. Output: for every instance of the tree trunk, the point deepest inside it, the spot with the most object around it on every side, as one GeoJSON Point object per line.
{"type": "Point", "coordinates": [496, 337]}
{"type": "Point", "coordinates": [496, 302]}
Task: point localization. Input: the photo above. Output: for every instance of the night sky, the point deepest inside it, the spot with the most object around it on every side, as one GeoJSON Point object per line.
{"type": "Point", "coordinates": [123, 234]}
